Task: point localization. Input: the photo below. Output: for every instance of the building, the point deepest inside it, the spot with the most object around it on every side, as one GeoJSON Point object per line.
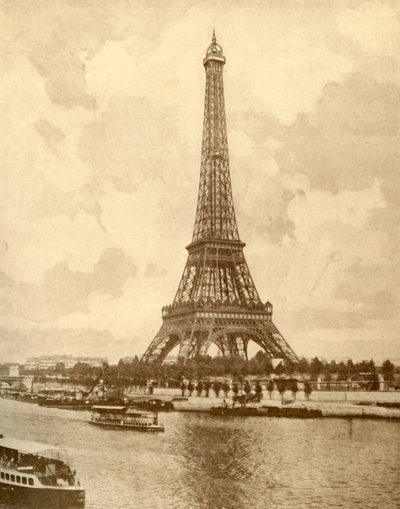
{"type": "Point", "coordinates": [45, 362]}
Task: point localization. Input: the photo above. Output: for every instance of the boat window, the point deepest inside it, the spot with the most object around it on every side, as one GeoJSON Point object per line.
{"type": "Point", "coordinates": [18, 478]}
{"type": "Point", "coordinates": [2, 475]}
{"type": "Point", "coordinates": [13, 477]}
{"type": "Point", "coordinates": [8, 477]}
{"type": "Point", "coordinates": [24, 480]}
{"type": "Point", "coordinates": [30, 481]}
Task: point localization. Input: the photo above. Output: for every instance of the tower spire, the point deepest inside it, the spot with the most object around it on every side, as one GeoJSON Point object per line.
{"type": "Point", "coordinates": [214, 39]}
{"type": "Point", "coordinates": [215, 215]}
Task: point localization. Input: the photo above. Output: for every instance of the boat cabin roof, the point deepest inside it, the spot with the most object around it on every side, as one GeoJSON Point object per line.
{"type": "Point", "coordinates": [121, 410]}
{"type": "Point", "coordinates": [29, 447]}
{"type": "Point", "coordinates": [105, 408]}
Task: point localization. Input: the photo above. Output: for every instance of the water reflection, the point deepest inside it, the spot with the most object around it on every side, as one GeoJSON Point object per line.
{"type": "Point", "coordinates": [284, 463]}
{"type": "Point", "coordinates": [350, 421]}
{"type": "Point", "coordinates": [214, 463]}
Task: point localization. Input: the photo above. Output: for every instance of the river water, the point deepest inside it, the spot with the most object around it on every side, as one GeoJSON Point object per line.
{"type": "Point", "coordinates": [207, 462]}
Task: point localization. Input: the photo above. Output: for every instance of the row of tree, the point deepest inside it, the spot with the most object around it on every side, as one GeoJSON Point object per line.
{"type": "Point", "coordinates": [136, 372]}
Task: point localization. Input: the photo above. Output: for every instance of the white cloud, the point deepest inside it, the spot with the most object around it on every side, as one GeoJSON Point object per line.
{"type": "Point", "coordinates": [374, 25]}
{"type": "Point", "coordinates": [313, 208]}
{"type": "Point", "coordinates": [37, 244]}
{"type": "Point", "coordinates": [112, 70]}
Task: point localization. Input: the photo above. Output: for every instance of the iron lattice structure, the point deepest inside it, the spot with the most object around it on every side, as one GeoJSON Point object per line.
{"type": "Point", "coordinates": [217, 301]}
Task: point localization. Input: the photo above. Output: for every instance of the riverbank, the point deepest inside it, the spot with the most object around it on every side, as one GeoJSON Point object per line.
{"type": "Point", "coordinates": [331, 409]}
{"type": "Point", "coordinates": [367, 397]}
{"type": "Point", "coordinates": [334, 404]}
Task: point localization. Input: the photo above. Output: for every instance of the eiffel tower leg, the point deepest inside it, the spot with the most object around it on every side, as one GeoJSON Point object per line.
{"type": "Point", "coordinates": [229, 345]}
{"type": "Point", "coordinates": [165, 340]}
{"type": "Point", "coordinates": [288, 353]}
{"type": "Point", "coordinates": [191, 346]}
{"type": "Point", "coordinates": [205, 346]}
{"type": "Point", "coordinates": [224, 346]}
{"type": "Point", "coordinates": [233, 347]}
{"type": "Point", "coordinates": [186, 346]}
{"type": "Point", "coordinates": [241, 346]}
{"type": "Point", "coordinates": [274, 343]}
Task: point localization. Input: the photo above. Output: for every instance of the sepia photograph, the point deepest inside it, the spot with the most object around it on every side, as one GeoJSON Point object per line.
{"type": "Point", "coordinates": [199, 254]}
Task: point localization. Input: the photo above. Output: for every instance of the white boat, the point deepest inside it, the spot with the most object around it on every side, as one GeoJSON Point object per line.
{"type": "Point", "coordinates": [38, 472]}
{"type": "Point", "coordinates": [124, 417]}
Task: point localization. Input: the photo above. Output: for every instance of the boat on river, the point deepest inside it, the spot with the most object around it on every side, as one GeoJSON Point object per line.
{"type": "Point", "coordinates": [151, 404]}
{"type": "Point", "coordinates": [38, 473]}
{"type": "Point", "coordinates": [125, 417]}
{"type": "Point", "coordinates": [63, 399]}
{"type": "Point", "coordinates": [268, 411]}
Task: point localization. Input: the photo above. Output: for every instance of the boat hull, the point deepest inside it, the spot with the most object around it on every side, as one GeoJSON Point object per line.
{"type": "Point", "coordinates": [146, 429]}
{"type": "Point", "coordinates": [62, 406]}
{"type": "Point", "coordinates": [44, 497]}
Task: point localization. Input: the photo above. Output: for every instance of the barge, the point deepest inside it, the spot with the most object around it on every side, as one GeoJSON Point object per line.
{"type": "Point", "coordinates": [268, 411]}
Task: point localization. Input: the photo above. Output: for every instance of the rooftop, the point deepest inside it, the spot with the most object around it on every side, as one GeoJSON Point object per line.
{"type": "Point", "coordinates": [30, 447]}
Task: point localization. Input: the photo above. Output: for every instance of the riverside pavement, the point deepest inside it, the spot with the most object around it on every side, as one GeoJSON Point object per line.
{"type": "Point", "coordinates": [331, 403]}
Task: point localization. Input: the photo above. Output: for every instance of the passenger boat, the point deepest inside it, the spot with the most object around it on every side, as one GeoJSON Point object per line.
{"type": "Point", "coordinates": [38, 473]}
{"type": "Point", "coordinates": [125, 417]}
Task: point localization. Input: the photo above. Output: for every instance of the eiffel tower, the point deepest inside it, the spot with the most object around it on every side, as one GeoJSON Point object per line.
{"type": "Point", "coordinates": [217, 301]}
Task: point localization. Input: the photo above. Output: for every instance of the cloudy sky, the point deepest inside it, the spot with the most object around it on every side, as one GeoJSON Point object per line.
{"type": "Point", "coordinates": [101, 124]}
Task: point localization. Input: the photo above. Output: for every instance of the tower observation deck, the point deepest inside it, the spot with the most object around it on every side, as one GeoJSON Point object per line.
{"type": "Point", "coordinates": [216, 301]}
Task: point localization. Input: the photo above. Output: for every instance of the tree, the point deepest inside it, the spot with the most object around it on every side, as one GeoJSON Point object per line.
{"type": "Point", "coordinates": [60, 368]}
{"type": "Point", "coordinates": [261, 364]}
{"type": "Point", "coordinates": [316, 367]}
{"type": "Point", "coordinates": [350, 368]}
{"type": "Point", "coordinates": [289, 367]}
{"type": "Point", "coordinates": [365, 367]}
{"type": "Point", "coordinates": [343, 371]}
{"type": "Point", "coordinates": [387, 370]}
{"type": "Point", "coordinates": [279, 369]}
{"type": "Point", "coordinates": [303, 366]}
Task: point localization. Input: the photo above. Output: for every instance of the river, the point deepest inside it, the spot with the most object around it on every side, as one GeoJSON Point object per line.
{"type": "Point", "coordinates": [207, 462]}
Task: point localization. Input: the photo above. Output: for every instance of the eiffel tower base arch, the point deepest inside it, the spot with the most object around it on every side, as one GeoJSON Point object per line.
{"type": "Point", "coordinates": [230, 332]}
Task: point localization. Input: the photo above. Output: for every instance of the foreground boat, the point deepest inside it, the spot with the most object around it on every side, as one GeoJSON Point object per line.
{"type": "Point", "coordinates": [125, 417]}
{"type": "Point", "coordinates": [37, 472]}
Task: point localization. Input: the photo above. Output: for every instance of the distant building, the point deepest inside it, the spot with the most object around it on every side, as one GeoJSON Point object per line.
{"type": "Point", "coordinates": [44, 362]}
{"type": "Point", "coordinates": [127, 360]}
{"type": "Point", "coordinates": [9, 370]}
{"type": "Point", "coordinates": [13, 370]}
{"type": "Point", "coordinates": [171, 359]}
